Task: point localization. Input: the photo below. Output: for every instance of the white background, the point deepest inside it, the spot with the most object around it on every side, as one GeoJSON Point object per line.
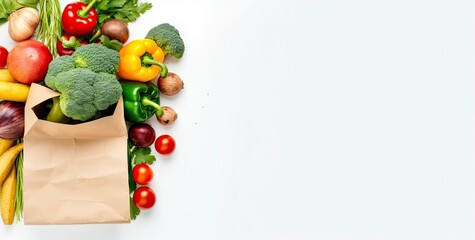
{"type": "Point", "coordinates": [323, 119]}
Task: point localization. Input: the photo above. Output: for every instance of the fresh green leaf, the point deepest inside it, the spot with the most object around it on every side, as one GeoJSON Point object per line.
{"type": "Point", "coordinates": [143, 7]}
{"type": "Point", "coordinates": [134, 210]}
{"type": "Point", "coordinates": [142, 155]}
{"type": "Point", "coordinates": [103, 17]}
{"type": "Point", "coordinates": [117, 3]}
{"type": "Point", "coordinates": [132, 184]}
{"type": "Point", "coordinates": [125, 10]}
{"type": "Point", "coordinates": [4, 7]}
{"type": "Point", "coordinates": [28, 3]}
{"type": "Point", "coordinates": [102, 6]}
{"type": "Point", "coordinates": [5, 10]}
{"type": "Point", "coordinates": [112, 44]}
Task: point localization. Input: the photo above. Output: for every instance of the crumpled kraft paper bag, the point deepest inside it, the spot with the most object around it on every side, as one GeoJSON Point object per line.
{"type": "Point", "coordinates": [74, 174]}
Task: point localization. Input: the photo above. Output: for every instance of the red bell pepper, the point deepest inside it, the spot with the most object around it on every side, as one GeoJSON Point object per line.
{"type": "Point", "coordinates": [67, 44]}
{"type": "Point", "coordinates": [79, 19]}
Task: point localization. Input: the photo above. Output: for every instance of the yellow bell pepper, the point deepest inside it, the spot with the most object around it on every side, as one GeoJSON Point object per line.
{"type": "Point", "coordinates": [142, 61]}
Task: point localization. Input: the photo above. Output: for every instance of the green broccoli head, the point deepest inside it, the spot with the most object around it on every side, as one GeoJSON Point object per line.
{"type": "Point", "coordinates": [168, 38]}
{"type": "Point", "coordinates": [106, 91]}
{"type": "Point", "coordinates": [97, 58]}
{"type": "Point", "coordinates": [84, 93]}
{"type": "Point", "coordinates": [58, 65]}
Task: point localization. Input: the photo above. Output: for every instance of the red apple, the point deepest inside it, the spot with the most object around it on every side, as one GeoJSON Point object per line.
{"type": "Point", "coordinates": [28, 61]}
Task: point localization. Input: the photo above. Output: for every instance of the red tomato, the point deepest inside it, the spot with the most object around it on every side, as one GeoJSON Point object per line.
{"type": "Point", "coordinates": [3, 57]}
{"type": "Point", "coordinates": [142, 174]}
{"type": "Point", "coordinates": [28, 61]}
{"type": "Point", "coordinates": [144, 198]}
{"type": "Point", "coordinates": [165, 144]}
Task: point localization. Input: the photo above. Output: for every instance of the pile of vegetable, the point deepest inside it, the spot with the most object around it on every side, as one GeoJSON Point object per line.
{"type": "Point", "coordinates": [84, 53]}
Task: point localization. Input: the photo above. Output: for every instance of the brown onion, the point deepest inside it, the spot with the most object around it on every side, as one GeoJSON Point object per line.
{"type": "Point", "coordinates": [12, 120]}
{"type": "Point", "coordinates": [170, 85]}
{"type": "Point", "coordinates": [169, 116]}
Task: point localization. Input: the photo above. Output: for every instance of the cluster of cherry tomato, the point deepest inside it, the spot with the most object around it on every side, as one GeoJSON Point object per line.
{"type": "Point", "coordinates": [142, 135]}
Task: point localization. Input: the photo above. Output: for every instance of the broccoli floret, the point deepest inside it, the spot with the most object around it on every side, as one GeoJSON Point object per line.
{"type": "Point", "coordinates": [106, 91]}
{"type": "Point", "coordinates": [58, 65]}
{"type": "Point", "coordinates": [84, 93]}
{"type": "Point", "coordinates": [168, 38]}
{"type": "Point", "coordinates": [97, 58]}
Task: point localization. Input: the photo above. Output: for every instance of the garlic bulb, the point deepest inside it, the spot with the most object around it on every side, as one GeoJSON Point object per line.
{"type": "Point", "coordinates": [22, 23]}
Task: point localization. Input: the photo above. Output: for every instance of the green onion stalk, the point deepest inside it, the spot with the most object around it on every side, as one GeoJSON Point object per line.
{"type": "Point", "coordinates": [50, 24]}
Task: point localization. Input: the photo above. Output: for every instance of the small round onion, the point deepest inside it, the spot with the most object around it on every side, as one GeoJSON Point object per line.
{"type": "Point", "coordinates": [170, 85]}
{"type": "Point", "coordinates": [169, 116]}
{"type": "Point", "coordinates": [12, 120]}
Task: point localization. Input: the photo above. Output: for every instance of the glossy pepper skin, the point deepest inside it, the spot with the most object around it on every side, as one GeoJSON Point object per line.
{"type": "Point", "coordinates": [79, 19]}
{"type": "Point", "coordinates": [141, 100]}
{"type": "Point", "coordinates": [142, 61]}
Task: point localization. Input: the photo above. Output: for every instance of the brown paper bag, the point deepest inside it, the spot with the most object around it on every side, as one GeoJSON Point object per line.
{"type": "Point", "coordinates": [74, 174]}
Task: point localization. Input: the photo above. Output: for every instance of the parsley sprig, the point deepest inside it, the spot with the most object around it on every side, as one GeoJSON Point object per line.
{"type": "Point", "coordinates": [137, 155]}
{"type": "Point", "coordinates": [125, 10]}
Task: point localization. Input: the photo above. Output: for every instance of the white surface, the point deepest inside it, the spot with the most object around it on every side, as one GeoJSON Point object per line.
{"type": "Point", "coordinates": [320, 119]}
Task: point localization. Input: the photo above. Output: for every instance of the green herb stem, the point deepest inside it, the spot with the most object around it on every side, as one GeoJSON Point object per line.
{"type": "Point", "coordinates": [50, 24]}
{"type": "Point", "coordinates": [19, 186]}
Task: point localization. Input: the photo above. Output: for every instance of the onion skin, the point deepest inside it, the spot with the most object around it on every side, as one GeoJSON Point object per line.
{"type": "Point", "coordinates": [169, 116]}
{"type": "Point", "coordinates": [170, 85]}
{"type": "Point", "coordinates": [12, 120]}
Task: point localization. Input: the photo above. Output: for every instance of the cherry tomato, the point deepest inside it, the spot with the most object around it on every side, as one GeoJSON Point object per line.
{"type": "Point", "coordinates": [144, 198]}
{"type": "Point", "coordinates": [165, 144]}
{"type": "Point", "coordinates": [3, 57]}
{"type": "Point", "coordinates": [142, 174]}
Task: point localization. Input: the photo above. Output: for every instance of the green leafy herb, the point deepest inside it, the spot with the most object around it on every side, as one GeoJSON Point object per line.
{"type": "Point", "coordinates": [101, 6]}
{"type": "Point", "coordinates": [7, 7]}
{"type": "Point", "coordinates": [112, 44]}
{"type": "Point", "coordinates": [132, 184]}
{"type": "Point", "coordinates": [125, 10]}
{"type": "Point", "coordinates": [117, 3]}
{"type": "Point", "coordinates": [136, 155]}
{"type": "Point", "coordinates": [143, 155]}
{"type": "Point", "coordinates": [24, 3]}
{"type": "Point", "coordinates": [4, 11]}
{"type": "Point", "coordinates": [134, 210]}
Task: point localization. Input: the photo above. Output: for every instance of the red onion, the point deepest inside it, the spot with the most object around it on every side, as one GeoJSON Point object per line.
{"type": "Point", "coordinates": [12, 120]}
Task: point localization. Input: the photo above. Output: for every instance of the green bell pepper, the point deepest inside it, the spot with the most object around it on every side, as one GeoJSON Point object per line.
{"type": "Point", "coordinates": [55, 114]}
{"type": "Point", "coordinates": [141, 100]}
